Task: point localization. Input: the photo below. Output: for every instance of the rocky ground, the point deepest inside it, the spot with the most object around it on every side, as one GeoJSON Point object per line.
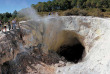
{"type": "Point", "coordinates": [16, 57]}
{"type": "Point", "coordinates": [34, 62]}
{"type": "Point", "coordinates": [33, 48]}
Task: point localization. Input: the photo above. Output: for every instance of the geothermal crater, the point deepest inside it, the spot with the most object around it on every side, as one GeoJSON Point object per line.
{"type": "Point", "coordinates": [71, 48]}
{"type": "Point", "coordinates": [57, 45]}
{"type": "Point", "coordinates": [72, 53]}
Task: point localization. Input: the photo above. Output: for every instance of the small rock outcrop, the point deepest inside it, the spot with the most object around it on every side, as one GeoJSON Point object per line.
{"type": "Point", "coordinates": [9, 45]}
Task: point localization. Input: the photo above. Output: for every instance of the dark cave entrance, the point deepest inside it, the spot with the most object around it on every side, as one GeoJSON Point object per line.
{"type": "Point", "coordinates": [5, 68]}
{"type": "Point", "coordinates": [72, 53]}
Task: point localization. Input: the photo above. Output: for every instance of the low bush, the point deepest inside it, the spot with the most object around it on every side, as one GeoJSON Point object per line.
{"type": "Point", "coordinates": [83, 12]}
{"type": "Point", "coordinates": [95, 12]}
{"type": "Point", "coordinates": [67, 13]}
{"type": "Point", "coordinates": [75, 11]}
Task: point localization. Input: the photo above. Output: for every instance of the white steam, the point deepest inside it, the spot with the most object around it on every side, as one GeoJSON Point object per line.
{"type": "Point", "coordinates": [48, 26]}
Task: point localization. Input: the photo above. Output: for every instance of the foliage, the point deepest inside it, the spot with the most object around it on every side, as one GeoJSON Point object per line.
{"type": "Point", "coordinates": [5, 17]}
{"type": "Point", "coordinates": [75, 11]}
{"type": "Point", "coordinates": [68, 4]}
{"type": "Point", "coordinates": [99, 8]}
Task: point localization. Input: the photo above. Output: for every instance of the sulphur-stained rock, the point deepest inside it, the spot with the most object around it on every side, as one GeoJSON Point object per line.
{"type": "Point", "coordinates": [91, 32]}
{"type": "Point", "coordinates": [41, 69]}
{"type": "Point", "coordinates": [95, 38]}
{"type": "Point", "coordinates": [45, 45]}
{"type": "Point", "coordinates": [9, 45]}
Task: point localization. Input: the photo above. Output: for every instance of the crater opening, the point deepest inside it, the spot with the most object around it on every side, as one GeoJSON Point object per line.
{"type": "Point", "coordinates": [5, 68]}
{"type": "Point", "coordinates": [72, 53]}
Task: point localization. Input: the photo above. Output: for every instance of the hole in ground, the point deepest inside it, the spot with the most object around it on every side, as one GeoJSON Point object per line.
{"type": "Point", "coordinates": [5, 68]}
{"type": "Point", "coordinates": [72, 53]}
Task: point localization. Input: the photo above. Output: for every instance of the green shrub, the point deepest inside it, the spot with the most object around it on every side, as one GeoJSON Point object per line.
{"type": "Point", "coordinates": [75, 11]}
{"type": "Point", "coordinates": [83, 12]}
{"type": "Point", "coordinates": [95, 12]}
{"type": "Point", "coordinates": [67, 13]}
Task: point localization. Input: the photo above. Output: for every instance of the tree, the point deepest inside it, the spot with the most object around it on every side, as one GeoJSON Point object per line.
{"type": "Point", "coordinates": [68, 4]}
{"type": "Point", "coordinates": [73, 3]}
{"type": "Point", "coordinates": [5, 19]}
{"type": "Point", "coordinates": [14, 14]}
{"type": "Point", "coordinates": [8, 15]}
{"type": "Point", "coordinates": [88, 4]}
{"type": "Point", "coordinates": [49, 5]}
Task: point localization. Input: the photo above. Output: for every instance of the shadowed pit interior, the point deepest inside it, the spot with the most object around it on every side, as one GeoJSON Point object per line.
{"type": "Point", "coordinates": [72, 53]}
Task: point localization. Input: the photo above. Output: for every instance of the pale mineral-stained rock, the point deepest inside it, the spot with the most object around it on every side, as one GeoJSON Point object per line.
{"type": "Point", "coordinates": [9, 45]}
{"type": "Point", "coordinates": [41, 69]}
{"type": "Point", "coordinates": [95, 32]}
{"type": "Point", "coordinates": [51, 34]}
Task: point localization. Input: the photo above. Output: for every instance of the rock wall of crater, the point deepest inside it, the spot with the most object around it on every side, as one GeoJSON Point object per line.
{"type": "Point", "coordinates": [9, 45]}
{"type": "Point", "coordinates": [52, 35]}
{"type": "Point", "coordinates": [53, 32]}
{"type": "Point", "coordinates": [95, 32]}
{"type": "Point", "coordinates": [92, 32]}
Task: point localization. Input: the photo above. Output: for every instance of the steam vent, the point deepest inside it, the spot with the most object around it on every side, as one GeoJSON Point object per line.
{"type": "Point", "coordinates": [57, 45]}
